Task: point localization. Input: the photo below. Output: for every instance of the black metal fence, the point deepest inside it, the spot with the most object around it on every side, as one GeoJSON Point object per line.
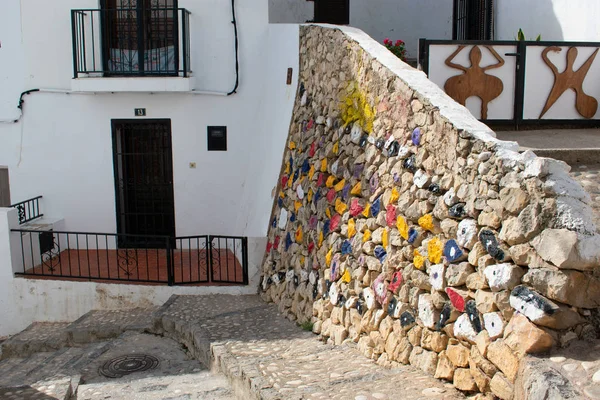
{"type": "Point", "coordinates": [97, 256]}
{"type": "Point", "coordinates": [28, 210]}
{"type": "Point", "coordinates": [473, 20]}
{"type": "Point", "coordinates": [131, 42]}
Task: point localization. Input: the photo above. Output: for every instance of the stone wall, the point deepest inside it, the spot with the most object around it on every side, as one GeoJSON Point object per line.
{"type": "Point", "coordinates": [402, 224]}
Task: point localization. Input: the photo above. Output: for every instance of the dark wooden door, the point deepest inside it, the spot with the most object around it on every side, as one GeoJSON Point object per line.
{"type": "Point", "coordinates": [143, 164]}
{"type": "Point", "coordinates": [332, 11]}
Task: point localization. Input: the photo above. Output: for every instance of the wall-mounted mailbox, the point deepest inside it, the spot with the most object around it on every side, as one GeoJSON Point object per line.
{"type": "Point", "coordinates": [217, 138]}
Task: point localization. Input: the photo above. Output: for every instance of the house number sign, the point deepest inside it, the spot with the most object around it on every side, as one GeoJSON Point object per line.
{"type": "Point", "coordinates": [140, 112]}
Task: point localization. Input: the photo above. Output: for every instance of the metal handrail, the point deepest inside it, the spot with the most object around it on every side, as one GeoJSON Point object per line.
{"type": "Point", "coordinates": [28, 210]}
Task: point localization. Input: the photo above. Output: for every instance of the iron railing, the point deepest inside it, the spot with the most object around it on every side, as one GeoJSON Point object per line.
{"type": "Point", "coordinates": [28, 210]}
{"type": "Point", "coordinates": [98, 257]}
{"type": "Point", "coordinates": [473, 20]}
{"type": "Point", "coordinates": [131, 42]}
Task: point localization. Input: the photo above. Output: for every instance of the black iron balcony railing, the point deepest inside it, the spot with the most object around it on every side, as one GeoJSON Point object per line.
{"type": "Point", "coordinates": [131, 42]}
{"type": "Point", "coordinates": [28, 210]}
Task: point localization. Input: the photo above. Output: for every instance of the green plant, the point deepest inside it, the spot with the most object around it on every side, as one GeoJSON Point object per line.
{"type": "Point", "coordinates": [307, 326]}
{"type": "Point", "coordinates": [398, 48]}
{"type": "Point", "coordinates": [521, 36]}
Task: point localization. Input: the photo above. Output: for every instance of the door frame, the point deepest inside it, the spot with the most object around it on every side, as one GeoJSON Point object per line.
{"type": "Point", "coordinates": [114, 122]}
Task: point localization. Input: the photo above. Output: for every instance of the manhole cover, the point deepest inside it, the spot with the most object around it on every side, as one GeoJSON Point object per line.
{"type": "Point", "coordinates": [125, 365]}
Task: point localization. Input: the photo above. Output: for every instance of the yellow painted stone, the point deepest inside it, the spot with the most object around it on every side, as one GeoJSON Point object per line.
{"type": "Point", "coordinates": [346, 278]}
{"type": "Point", "coordinates": [384, 238]}
{"type": "Point", "coordinates": [366, 236]}
{"type": "Point", "coordinates": [340, 185]}
{"type": "Point", "coordinates": [324, 165]}
{"type": "Point", "coordinates": [402, 227]}
{"type": "Point", "coordinates": [321, 237]}
{"type": "Point", "coordinates": [309, 195]}
{"type": "Point", "coordinates": [328, 257]}
{"type": "Point", "coordinates": [426, 222]}
{"type": "Point", "coordinates": [311, 172]}
{"type": "Point", "coordinates": [367, 211]}
{"type": "Point", "coordinates": [395, 195]}
{"type": "Point", "coordinates": [330, 181]}
{"type": "Point", "coordinates": [299, 235]}
{"type": "Point", "coordinates": [340, 206]}
{"type": "Point", "coordinates": [301, 179]}
{"type": "Point", "coordinates": [287, 167]}
{"type": "Point", "coordinates": [282, 194]}
{"type": "Point", "coordinates": [351, 228]}
{"type": "Point", "coordinates": [289, 183]}
{"type": "Point", "coordinates": [434, 250]}
{"type": "Point", "coordinates": [356, 190]}
{"type": "Point", "coordinates": [297, 205]}
{"type": "Point", "coordinates": [302, 259]}
{"type": "Point", "coordinates": [336, 148]}
{"type": "Point", "coordinates": [328, 212]}
{"type": "Point", "coordinates": [418, 260]}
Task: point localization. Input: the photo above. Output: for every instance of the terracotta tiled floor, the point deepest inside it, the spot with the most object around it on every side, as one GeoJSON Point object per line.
{"type": "Point", "coordinates": [145, 265]}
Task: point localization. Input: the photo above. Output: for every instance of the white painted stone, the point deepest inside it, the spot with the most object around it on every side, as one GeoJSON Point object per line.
{"type": "Point", "coordinates": [561, 184]}
{"type": "Point", "coordinates": [388, 142]}
{"type": "Point", "coordinates": [334, 293]}
{"type": "Point", "coordinates": [304, 99]}
{"type": "Point", "coordinates": [530, 309]}
{"type": "Point", "coordinates": [265, 284]}
{"type": "Point", "coordinates": [312, 277]}
{"type": "Point", "coordinates": [437, 276]}
{"type": "Point", "coordinates": [503, 276]}
{"type": "Point", "coordinates": [335, 166]}
{"type": "Point", "coordinates": [403, 151]}
{"type": "Point", "coordinates": [466, 235]}
{"type": "Point", "coordinates": [463, 329]}
{"type": "Point", "coordinates": [494, 324]}
{"type": "Point", "coordinates": [421, 179]}
{"type": "Point", "coordinates": [371, 139]}
{"type": "Point", "coordinates": [289, 276]}
{"type": "Point", "coordinates": [356, 133]}
{"type": "Point", "coordinates": [275, 279]}
{"type": "Point", "coordinates": [450, 197]}
{"type": "Point", "coordinates": [303, 276]}
{"type": "Point", "coordinates": [541, 167]}
{"type": "Point", "coordinates": [380, 289]}
{"type": "Point", "coordinates": [329, 122]}
{"type": "Point", "coordinates": [427, 312]}
{"type": "Point", "coordinates": [369, 296]}
{"type": "Point", "coordinates": [351, 302]}
{"type": "Point", "coordinates": [283, 218]}
{"type": "Point", "coordinates": [300, 192]}
{"type": "Point", "coordinates": [320, 120]}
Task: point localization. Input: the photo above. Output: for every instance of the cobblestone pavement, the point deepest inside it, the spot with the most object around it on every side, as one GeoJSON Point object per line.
{"type": "Point", "coordinates": [589, 177]}
{"type": "Point", "coordinates": [251, 340]}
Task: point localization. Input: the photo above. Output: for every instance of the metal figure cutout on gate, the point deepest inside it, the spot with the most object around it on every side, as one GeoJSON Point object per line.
{"type": "Point", "coordinates": [474, 81]}
{"type": "Point", "coordinates": [585, 104]}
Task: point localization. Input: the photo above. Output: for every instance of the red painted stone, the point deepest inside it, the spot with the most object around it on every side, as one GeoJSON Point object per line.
{"type": "Point", "coordinates": [284, 180]}
{"type": "Point", "coordinates": [310, 124]}
{"type": "Point", "coordinates": [390, 215]}
{"type": "Point", "coordinates": [335, 222]}
{"type": "Point", "coordinates": [331, 195]}
{"type": "Point", "coordinates": [321, 179]}
{"type": "Point", "coordinates": [355, 208]}
{"type": "Point", "coordinates": [396, 282]}
{"type": "Point", "coordinates": [456, 299]}
{"type": "Point", "coordinates": [313, 149]}
{"type": "Point", "coordinates": [276, 243]}
{"type": "Point", "coordinates": [269, 246]}
{"type": "Point", "coordinates": [311, 247]}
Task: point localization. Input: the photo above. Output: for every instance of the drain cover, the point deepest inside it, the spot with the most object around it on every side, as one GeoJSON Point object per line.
{"type": "Point", "coordinates": [125, 365]}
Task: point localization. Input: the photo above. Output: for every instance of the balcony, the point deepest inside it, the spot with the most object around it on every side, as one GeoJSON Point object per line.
{"type": "Point", "coordinates": [140, 50]}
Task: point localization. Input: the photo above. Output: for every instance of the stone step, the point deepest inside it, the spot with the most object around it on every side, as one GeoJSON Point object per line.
{"type": "Point", "coordinates": [61, 389]}
{"type": "Point", "coordinates": [38, 337]}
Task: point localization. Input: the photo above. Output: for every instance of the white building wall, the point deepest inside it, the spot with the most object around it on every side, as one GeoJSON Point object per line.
{"type": "Point", "coordinates": [291, 11]}
{"type": "Point", "coordinates": [62, 148]}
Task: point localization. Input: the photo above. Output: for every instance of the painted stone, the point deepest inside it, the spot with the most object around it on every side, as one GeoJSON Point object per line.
{"type": "Point", "coordinates": [283, 218]}
{"type": "Point", "coordinates": [471, 310]}
{"type": "Point", "coordinates": [334, 167]}
{"type": "Point", "coordinates": [531, 304]}
{"type": "Point", "coordinates": [380, 253]}
{"type": "Point", "coordinates": [494, 324]}
{"type": "Point", "coordinates": [457, 299]}
{"type": "Point", "coordinates": [351, 302]}
{"type": "Point", "coordinates": [284, 180]}
{"type": "Point", "coordinates": [410, 164]}
{"type": "Point", "coordinates": [370, 300]}
{"type": "Point", "coordinates": [340, 206]}
{"type": "Point", "coordinates": [403, 151]}
{"type": "Point", "coordinates": [426, 222]}
{"type": "Point", "coordinates": [503, 276]}
{"type": "Point", "coordinates": [299, 235]}
{"type": "Point", "coordinates": [356, 190]}
{"type": "Point", "coordinates": [334, 294]}
{"type": "Point", "coordinates": [379, 144]}
{"type": "Point", "coordinates": [463, 329]}
{"type": "Point", "coordinates": [444, 316]}
{"type": "Point", "coordinates": [276, 242]}
{"type": "Point", "coordinates": [374, 182]}
{"type": "Point", "coordinates": [346, 191]}
{"type": "Point", "coordinates": [355, 207]}
{"type": "Point", "coordinates": [289, 276]}
{"type": "Point", "coordinates": [490, 244]}
{"type": "Point", "coordinates": [380, 288]}
{"type": "Point", "coordinates": [366, 236]}
{"type": "Point", "coordinates": [466, 235]}
{"type": "Point", "coordinates": [390, 215]}
{"type": "Point", "coordinates": [393, 149]}
{"type": "Point", "coordinates": [297, 206]}
{"type": "Point", "coordinates": [358, 170]}
{"type": "Point", "coordinates": [413, 235]}
{"type": "Point", "coordinates": [351, 228]}
{"type": "Point", "coordinates": [392, 309]}
{"type": "Point", "coordinates": [321, 237]}
{"type": "Point", "coordinates": [336, 149]}
{"type": "Point", "coordinates": [296, 175]}
{"type": "Point", "coordinates": [311, 247]}
{"type": "Point", "coordinates": [335, 222]}
{"type": "Point", "coordinates": [331, 195]}
{"type": "Point", "coordinates": [427, 312]}
{"type": "Point", "coordinates": [321, 179]}
{"type": "Point", "coordinates": [396, 282]}
{"type": "Point", "coordinates": [312, 150]}
{"type": "Point", "coordinates": [324, 165]}
{"type": "Point", "coordinates": [310, 124]}
{"type": "Point", "coordinates": [437, 276]}
{"type": "Point", "coordinates": [340, 185]}
{"type": "Point", "coordinates": [328, 212]}
{"type": "Point", "coordinates": [420, 179]}
{"type": "Point", "coordinates": [312, 222]}
{"type": "Point", "coordinates": [457, 211]}
{"type": "Point", "coordinates": [452, 251]}
{"type": "Point", "coordinates": [269, 247]}
{"type": "Point", "coordinates": [435, 188]}
{"type": "Point", "coordinates": [275, 279]}
{"type": "Point", "coordinates": [418, 260]}
{"type": "Point", "coordinates": [330, 181]}
{"type": "Point", "coordinates": [346, 247]}
{"type": "Point", "coordinates": [265, 283]}
{"type": "Point", "coordinates": [367, 211]}
{"type": "Point", "coordinates": [292, 145]}
{"type": "Point", "coordinates": [402, 227]}
{"type": "Point", "coordinates": [385, 238]}
{"type": "Point", "coordinates": [376, 207]}
{"type": "Point", "coordinates": [317, 196]}
{"type": "Point", "coordinates": [363, 141]}
{"type": "Point", "coordinates": [388, 141]}
{"type": "Point", "coordinates": [346, 276]}
{"type": "Point", "coordinates": [328, 257]}
{"type": "Point", "coordinates": [407, 320]}
{"type": "Point", "coordinates": [434, 250]}
{"type": "Point", "coordinates": [415, 137]}
{"type": "Point", "coordinates": [288, 241]}
{"type": "Point", "coordinates": [394, 196]}
{"type": "Point", "coordinates": [355, 133]}
{"type": "Point", "coordinates": [312, 277]}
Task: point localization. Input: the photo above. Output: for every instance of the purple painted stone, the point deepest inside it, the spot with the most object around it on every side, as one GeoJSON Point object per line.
{"type": "Point", "coordinates": [415, 137]}
{"type": "Point", "coordinates": [312, 222]}
{"type": "Point", "coordinates": [358, 170]}
{"type": "Point", "coordinates": [374, 182]}
{"type": "Point", "coordinates": [346, 191]}
{"type": "Point", "coordinates": [380, 253]}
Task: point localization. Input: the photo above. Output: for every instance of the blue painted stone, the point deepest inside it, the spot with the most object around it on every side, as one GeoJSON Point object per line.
{"type": "Point", "coordinates": [394, 148]}
{"type": "Point", "coordinates": [326, 228]}
{"type": "Point", "coordinates": [471, 309]}
{"type": "Point", "coordinates": [341, 299]}
{"type": "Point", "coordinates": [346, 191]}
{"type": "Point", "coordinates": [415, 137]}
{"type": "Point", "coordinates": [412, 235]}
{"type": "Point", "coordinates": [317, 196]}
{"type": "Point", "coordinates": [407, 320]}
{"type": "Point", "coordinates": [281, 275]}
{"type": "Point", "coordinates": [274, 223]}
{"type": "Point", "coordinates": [457, 211]}
{"type": "Point", "coordinates": [435, 188]}
{"type": "Point", "coordinates": [296, 175]}
{"type": "Point", "coordinates": [302, 89]}
{"type": "Point", "coordinates": [444, 316]}
{"type": "Point", "coordinates": [363, 141]}
{"type": "Point", "coordinates": [410, 164]}
{"type": "Point", "coordinates": [380, 143]}
{"type": "Point", "coordinates": [490, 244]}
{"type": "Point", "coordinates": [293, 217]}
{"type": "Point", "coordinates": [346, 247]}
{"type": "Point", "coordinates": [452, 251]}
{"type": "Point", "coordinates": [305, 167]}
{"type": "Point", "coordinates": [360, 307]}
{"type": "Point", "coordinates": [380, 253]}
{"type": "Point", "coordinates": [291, 163]}
{"type": "Point", "coordinates": [392, 306]}
{"type": "Point", "coordinates": [288, 241]}
{"type": "Point", "coordinates": [327, 286]}
{"type": "Point", "coordinates": [376, 207]}
{"type": "Point", "coordinates": [280, 202]}
{"type": "Point", "coordinates": [315, 292]}
{"type": "Point", "coordinates": [296, 280]}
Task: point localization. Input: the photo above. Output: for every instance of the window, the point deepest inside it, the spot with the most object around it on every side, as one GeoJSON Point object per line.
{"type": "Point", "coordinates": [332, 11]}
{"type": "Point", "coordinates": [473, 20]}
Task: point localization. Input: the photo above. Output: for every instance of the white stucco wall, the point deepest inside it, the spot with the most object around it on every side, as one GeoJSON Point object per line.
{"type": "Point", "coordinates": [62, 148]}
{"type": "Point", "coordinates": [290, 11]}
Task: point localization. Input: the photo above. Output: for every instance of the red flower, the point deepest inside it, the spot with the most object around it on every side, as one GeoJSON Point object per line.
{"type": "Point", "coordinates": [399, 42]}
{"type": "Point", "coordinates": [387, 41]}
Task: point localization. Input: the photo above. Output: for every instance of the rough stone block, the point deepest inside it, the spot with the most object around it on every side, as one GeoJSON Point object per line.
{"type": "Point", "coordinates": [500, 354]}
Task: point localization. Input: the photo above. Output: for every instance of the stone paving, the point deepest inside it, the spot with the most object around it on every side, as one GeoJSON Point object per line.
{"type": "Point", "coordinates": [589, 177]}
{"type": "Point", "coordinates": [272, 355]}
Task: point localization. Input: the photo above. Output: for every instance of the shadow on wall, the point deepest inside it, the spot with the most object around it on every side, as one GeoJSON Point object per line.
{"type": "Point", "coordinates": [533, 16]}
